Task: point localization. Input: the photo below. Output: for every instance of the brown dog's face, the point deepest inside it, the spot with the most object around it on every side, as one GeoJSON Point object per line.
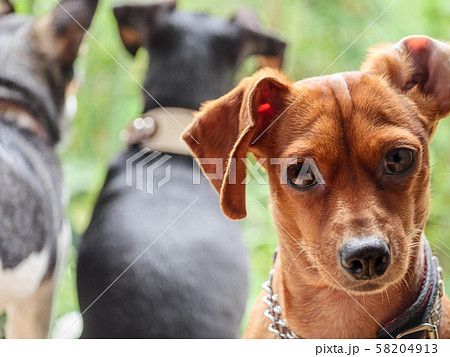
{"type": "Point", "coordinates": [360, 208]}
{"type": "Point", "coordinates": [370, 147]}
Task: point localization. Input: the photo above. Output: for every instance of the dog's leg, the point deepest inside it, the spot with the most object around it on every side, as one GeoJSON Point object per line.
{"type": "Point", "coordinates": [30, 318]}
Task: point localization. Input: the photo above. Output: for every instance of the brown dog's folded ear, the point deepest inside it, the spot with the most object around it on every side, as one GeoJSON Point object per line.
{"type": "Point", "coordinates": [6, 7]}
{"type": "Point", "coordinates": [137, 22]}
{"type": "Point", "coordinates": [60, 32]}
{"type": "Point", "coordinates": [420, 67]}
{"type": "Point", "coordinates": [224, 129]}
{"type": "Point", "coordinates": [257, 42]}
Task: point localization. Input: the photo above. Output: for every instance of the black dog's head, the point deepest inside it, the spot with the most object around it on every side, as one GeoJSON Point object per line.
{"type": "Point", "coordinates": [194, 57]}
{"type": "Point", "coordinates": [36, 58]}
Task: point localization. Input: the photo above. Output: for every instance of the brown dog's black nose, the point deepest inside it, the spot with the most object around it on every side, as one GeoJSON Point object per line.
{"type": "Point", "coordinates": [365, 257]}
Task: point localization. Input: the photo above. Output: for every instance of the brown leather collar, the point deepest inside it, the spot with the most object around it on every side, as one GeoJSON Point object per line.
{"type": "Point", "coordinates": [422, 318]}
{"type": "Point", "coordinates": [160, 129]}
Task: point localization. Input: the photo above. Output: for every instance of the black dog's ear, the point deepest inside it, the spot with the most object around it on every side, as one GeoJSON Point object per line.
{"type": "Point", "coordinates": [254, 41]}
{"type": "Point", "coordinates": [138, 22]}
{"type": "Point", "coordinates": [60, 32]}
{"type": "Point", "coordinates": [246, 18]}
{"type": "Point", "coordinates": [6, 7]}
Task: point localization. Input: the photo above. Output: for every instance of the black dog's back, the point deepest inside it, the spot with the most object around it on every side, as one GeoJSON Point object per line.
{"type": "Point", "coordinates": [184, 263]}
{"type": "Point", "coordinates": [192, 280]}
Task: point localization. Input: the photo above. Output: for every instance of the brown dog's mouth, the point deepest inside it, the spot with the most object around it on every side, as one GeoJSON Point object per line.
{"type": "Point", "coordinates": [391, 277]}
{"type": "Point", "coordinates": [369, 286]}
{"type": "Point", "coordinates": [342, 281]}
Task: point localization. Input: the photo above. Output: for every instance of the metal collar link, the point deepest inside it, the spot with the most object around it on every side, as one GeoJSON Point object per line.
{"type": "Point", "coordinates": [435, 317]}
{"type": "Point", "coordinates": [278, 325]}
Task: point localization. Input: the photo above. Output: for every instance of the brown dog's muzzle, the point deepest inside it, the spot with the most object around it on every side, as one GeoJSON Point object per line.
{"type": "Point", "coordinates": [365, 258]}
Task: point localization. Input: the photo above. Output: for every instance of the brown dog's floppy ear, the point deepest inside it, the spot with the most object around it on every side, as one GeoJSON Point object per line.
{"type": "Point", "coordinates": [6, 7]}
{"type": "Point", "coordinates": [420, 67]}
{"type": "Point", "coordinates": [254, 41]}
{"type": "Point", "coordinates": [61, 31]}
{"type": "Point", "coordinates": [138, 22]}
{"type": "Point", "coordinates": [224, 129]}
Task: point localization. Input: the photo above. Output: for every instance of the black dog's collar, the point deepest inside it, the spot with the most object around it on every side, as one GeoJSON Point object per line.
{"type": "Point", "coordinates": [160, 129]}
{"type": "Point", "coordinates": [422, 318]}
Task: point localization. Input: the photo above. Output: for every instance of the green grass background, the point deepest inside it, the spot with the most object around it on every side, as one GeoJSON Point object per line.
{"type": "Point", "coordinates": [317, 32]}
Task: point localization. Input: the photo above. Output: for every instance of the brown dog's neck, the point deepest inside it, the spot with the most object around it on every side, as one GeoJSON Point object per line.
{"type": "Point", "coordinates": [314, 311]}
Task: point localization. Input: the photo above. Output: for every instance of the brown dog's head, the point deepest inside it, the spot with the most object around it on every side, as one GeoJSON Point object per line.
{"type": "Point", "coordinates": [346, 157]}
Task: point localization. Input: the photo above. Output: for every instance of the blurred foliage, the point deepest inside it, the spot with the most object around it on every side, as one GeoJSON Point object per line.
{"type": "Point", "coordinates": [319, 34]}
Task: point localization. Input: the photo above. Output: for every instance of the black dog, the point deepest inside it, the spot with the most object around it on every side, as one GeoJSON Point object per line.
{"type": "Point", "coordinates": [36, 58]}
{"type": "Point", "coordinates": [192, 281]}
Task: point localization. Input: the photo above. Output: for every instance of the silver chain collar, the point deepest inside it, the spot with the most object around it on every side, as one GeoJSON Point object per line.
{"type": "Point", "coordinates": [278, 325]}
{"type": "Point", "coordinates": [435, 316]}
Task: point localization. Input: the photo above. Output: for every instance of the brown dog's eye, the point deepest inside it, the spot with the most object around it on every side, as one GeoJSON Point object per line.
{"type": "Point", "coordinates": [300, 176]}
{"type": "Point", "coordinates": [398, 161]}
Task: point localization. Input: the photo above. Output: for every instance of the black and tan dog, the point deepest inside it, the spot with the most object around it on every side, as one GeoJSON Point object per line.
{"type": "Point", "coordinates": [192, 281]}
{"type": "Point", "coordinates": [36, 58]}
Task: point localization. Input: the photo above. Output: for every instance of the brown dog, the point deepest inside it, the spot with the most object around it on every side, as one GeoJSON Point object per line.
{"type": "Point", "coordinates": [353, 259]}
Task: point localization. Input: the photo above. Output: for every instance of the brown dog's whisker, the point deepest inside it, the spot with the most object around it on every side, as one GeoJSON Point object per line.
{"type": "Point", "coordinates": [441, 174]}
{"type": "Point", "coordinates": [441, 242]}
{"type": "Point", "coordinates": [312, 267]}
{"type": "Point", "coordinates": [370, 228]}
{"type": "Point", "coordinates": [442, 250]}
{"type": "Point", "coordinates": [415, 231]}
{"type": "Point", "coordinates": [410, 275]}
{"type": "Point", "coordinates": [407, 284]}
{"type": "Point", "coordinates": [302, 245]}
{"type": "Point", "coordinates": [414, 249]}
{"type": "Point", "coordinates": [318, 283]}
{"type": "Point", "coordinates": [300, 252]}
{"type": "Point", "coordinates": [315, 243]}
{"type": "Point", "coordinates": [414, 244]}
{"type": "Point", "coordinates": [387, 296]}
{"type": "Point", "coordinates": [295, 258]}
